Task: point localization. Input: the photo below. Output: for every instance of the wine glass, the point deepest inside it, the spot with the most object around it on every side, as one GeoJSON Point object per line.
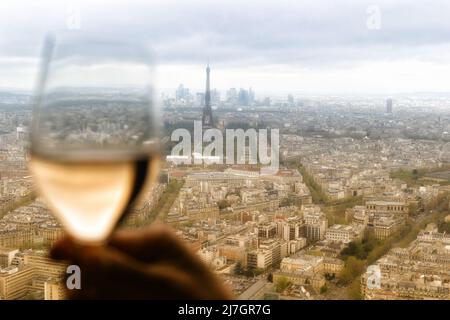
{"type": "Point", "coordinates": [93, 142]}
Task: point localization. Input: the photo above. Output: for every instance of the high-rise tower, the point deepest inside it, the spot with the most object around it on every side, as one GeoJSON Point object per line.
{"type": "Point", "coordinates": [389, 105]}
{"type": "Point", "coordinates": [207, 118]}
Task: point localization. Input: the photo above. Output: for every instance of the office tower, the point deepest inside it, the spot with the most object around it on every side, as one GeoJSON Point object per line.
{"type": "Point", "coordinates": [181, 93]}
{"type": "Point", "coordinates": [243, 97]}
{"type": "Point", "coordinates": [251, 96]}
{"type": "Point", "coordinates": [232, 95]}
{"type": "Point", "coordinates": [215, 97]}
{"type": "Point", "coordinates": [290, 99]}
{"type": "Point", "coordinates": [200, 99]}
{"type": "Point", "coordinates": [207, 118]}
{"type": "Point", "coordinates": [389, 105]}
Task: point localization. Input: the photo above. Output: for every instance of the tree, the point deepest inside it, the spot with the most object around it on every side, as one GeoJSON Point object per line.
{"type": "Point", "coordinates": [415, 174]}
{"type": "Point", "coordinates": [361, 248]}
{"type": "Point", "coordinates": [444, 227]}
{"type": "Point", "coordinates": [354, 249]}
{"type": "Point", "coordinates": [281, 284]}
{"type": "Point", "coordinates": [353, 268]}
{"type": "Point", "coordinates": [286, 202]}
{"type": "Point", "coordinates": [354, 290]}
{"type": "Point", "coordinates": [329, 276]}
{"type": "Point", "coordinates": [369, 242]}
{"type": "Point", "coordinates": [323, 289]}
{"type": "Point", "coordinates": [239, 269]}
{"type": "Point", "coordinates": [413, 209]}
{"type": "Point", "coordinates": [270, 277]}
{"type": "Point", "coordinates": [222, 204]}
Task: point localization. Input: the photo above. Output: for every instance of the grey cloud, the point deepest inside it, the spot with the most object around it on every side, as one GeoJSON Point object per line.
{"type": "Point", "coordinates": [311, 33]}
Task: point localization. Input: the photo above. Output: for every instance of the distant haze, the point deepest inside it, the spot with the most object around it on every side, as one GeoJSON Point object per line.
{"type": "Point", "coordinates": [317, 46]}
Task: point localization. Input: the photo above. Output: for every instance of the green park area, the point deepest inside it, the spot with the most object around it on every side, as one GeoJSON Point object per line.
{"type": "Point", "coordinates": [422, 177]}
{"type": "Point", "coordinates": [20, 202]}
{"type": "Point", "coordinates": [165, 202]}
{"type": "Point", "coordinates": [365, 251]}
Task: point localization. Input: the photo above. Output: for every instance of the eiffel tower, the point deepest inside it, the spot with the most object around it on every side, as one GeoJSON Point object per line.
{"type": "Point", "coordinates": [207, 118]}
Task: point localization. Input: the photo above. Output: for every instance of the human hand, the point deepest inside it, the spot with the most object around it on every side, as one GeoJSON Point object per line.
{"type": "Point", "coordinates": [151, 263]}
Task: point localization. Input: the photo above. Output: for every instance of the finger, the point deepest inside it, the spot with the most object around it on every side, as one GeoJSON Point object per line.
{"type": "Point", "coordinates": [146, 244]}
{"type": "Point", "coordinates": [159, 245]}
{"type": "Point", "coordinates": [109, 274]}
{"type": "Point", "coordinates": [63, 249]}
{"type": "Point", "coordinates": [156, 243]}
{"type": "Point", "coordinates": [151, 244]}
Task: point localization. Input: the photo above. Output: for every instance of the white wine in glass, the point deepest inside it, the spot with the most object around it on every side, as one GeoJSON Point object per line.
{"type": "Point", "coordinates": [93, 143]}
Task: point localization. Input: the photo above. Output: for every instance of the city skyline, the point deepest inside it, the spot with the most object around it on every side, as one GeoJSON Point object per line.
{"type": "Point", "coordinates": [261, 151]}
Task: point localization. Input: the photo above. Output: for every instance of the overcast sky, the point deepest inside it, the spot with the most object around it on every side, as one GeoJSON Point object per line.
{"type": "Point", "coordinates": [318, 46]}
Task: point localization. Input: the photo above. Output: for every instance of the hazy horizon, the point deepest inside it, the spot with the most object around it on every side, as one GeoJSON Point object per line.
{"type": "Point", "coordinates": [313, 47]}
